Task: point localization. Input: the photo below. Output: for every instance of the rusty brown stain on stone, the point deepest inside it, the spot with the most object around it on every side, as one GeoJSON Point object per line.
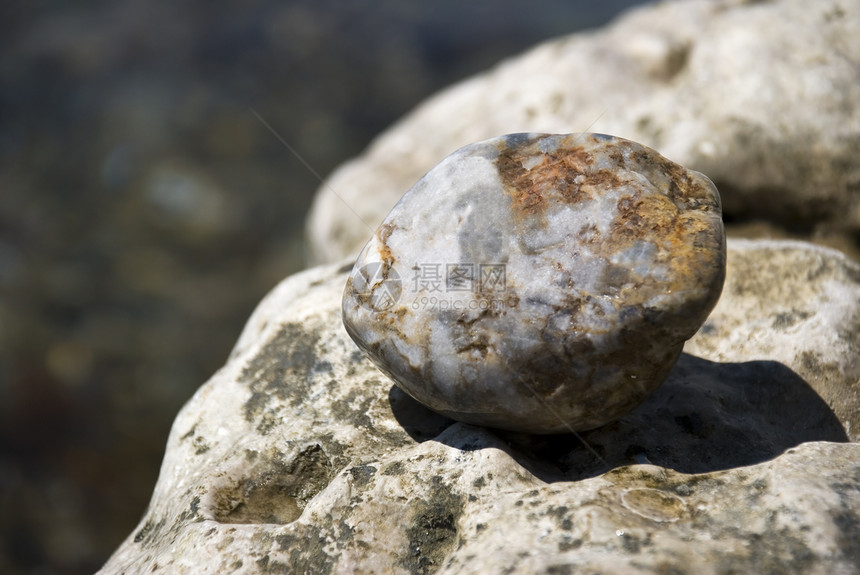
{"type": "Point", "coordinates": [640, 216]}
{"type": "Point", "coordinates": [666, 222]}
{"type": "Point", "coordinates": [555, 176]}
{"type": "Point", "coordinates": [384, 232]}
{"type": "Point", "coordinates": [589, 234]}
{"type": "Point", "coordinates": [567, 175]}
{"type": "Point", "coordinates": [605, 179]}
{"type": "Point", "coordinates": [682, 190]}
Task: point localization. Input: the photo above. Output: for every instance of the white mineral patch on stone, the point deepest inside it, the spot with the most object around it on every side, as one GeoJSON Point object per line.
{"type": "Point", "coordinates": [537, 282]}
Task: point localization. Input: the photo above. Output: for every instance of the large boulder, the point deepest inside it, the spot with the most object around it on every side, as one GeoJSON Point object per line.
{"type": "Point", "coordinates": [299, 456]}
{"type": "Point", "coordinates": [763, 97]}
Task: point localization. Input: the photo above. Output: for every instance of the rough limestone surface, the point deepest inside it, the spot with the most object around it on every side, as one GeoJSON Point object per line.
{"type": "Point", "coordinates": [782, 296]}
{"type": "Point", "coordinates": [763, 97]}
{"type": "Point", "coordinates": [539, 283]}
{"type": "Point", "coordinates": [299, 456]}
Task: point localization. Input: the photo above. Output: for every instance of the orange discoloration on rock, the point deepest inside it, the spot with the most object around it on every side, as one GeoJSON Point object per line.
{"type": "Point", "coordinates": [383, 233]}
{"type": "Point", "coordinates": [552, 176]}
{"type": "Point", "coordinates": [661, 206]}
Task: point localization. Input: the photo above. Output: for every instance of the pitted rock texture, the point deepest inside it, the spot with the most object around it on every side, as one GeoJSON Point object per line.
{"type": "Point", "coordinates": [298, 456]}
{"type": "Point", "coordinates": [762, 97]}
{"type": "Point", "coordinates": [539, 283]}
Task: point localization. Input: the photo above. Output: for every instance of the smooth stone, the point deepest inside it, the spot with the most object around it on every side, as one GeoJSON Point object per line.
{"type": "Point", "coordinates": [539, 283]}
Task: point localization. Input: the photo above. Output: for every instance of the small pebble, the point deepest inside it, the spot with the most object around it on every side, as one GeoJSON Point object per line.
{"type": "Point", "coordinates": [539, 283]}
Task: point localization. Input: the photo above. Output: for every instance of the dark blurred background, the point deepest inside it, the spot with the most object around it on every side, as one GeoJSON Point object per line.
{"type": "Point", "coordinates": [144, 211]}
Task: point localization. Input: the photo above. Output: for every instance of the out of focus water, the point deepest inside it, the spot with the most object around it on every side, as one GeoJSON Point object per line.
{"type": "Point", "coordinates": [144, 210]}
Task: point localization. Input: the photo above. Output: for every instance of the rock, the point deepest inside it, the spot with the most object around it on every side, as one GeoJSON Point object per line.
{"type": "Point", "coordinates": [550, 280]}
{"type": "Point", "coordinates": [299, 456]}
{"type": "Point", "coordinates": [762, 97]}
{"type": "Point", "coordinates": [795, 304]}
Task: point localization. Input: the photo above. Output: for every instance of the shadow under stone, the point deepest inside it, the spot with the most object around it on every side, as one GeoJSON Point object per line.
{"type": "Point", "coordinates": [706, 416]}
{"type": "Point", "coordinates": [419, 422]}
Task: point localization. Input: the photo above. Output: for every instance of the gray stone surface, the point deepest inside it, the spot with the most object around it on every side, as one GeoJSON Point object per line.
{"type": "Point", "coordinates": [539, 283]}
{"type": "Point", "coordinates": [299, 456]}
{"type": "Point", "coordinates": [760, 96]}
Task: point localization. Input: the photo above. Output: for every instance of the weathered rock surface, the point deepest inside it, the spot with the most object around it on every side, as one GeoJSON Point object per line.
{"type": "Point", "coordinates": [782, 297]}
{"type": "Point", "coordinates": [763, 97]}
{"type": "Point", "coordinates": [539, 283]}
{"type": "Point", "coordinates": [299, 456]}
